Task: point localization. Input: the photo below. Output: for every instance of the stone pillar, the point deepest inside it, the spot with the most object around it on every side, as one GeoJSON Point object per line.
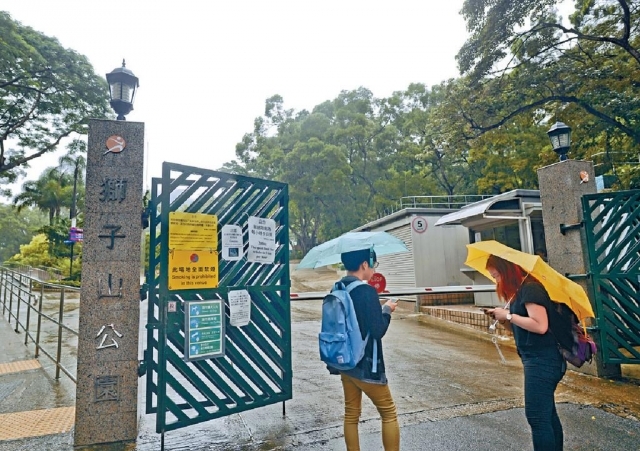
{"type": "Point", "coordinates": [107, 374]}
{"type": "Point", "coordinates": [561, 191]}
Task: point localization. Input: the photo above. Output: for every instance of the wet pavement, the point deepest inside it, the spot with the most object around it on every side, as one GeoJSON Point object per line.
{"type": "Point", "coordinates": [450, 388]}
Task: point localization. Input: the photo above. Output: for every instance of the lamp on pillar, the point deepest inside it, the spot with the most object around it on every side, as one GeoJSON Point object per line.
{"type": "Point", "coordinates": [560, 136]}
{"type": "Point", "coordinates": [122, 89]}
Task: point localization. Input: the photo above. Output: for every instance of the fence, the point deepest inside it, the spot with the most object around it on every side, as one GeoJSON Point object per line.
{"type": "Point", "coordinates": [42, 273]}
{"type": "Point", "coordinates": [453, 202]}
{"type": "Point", "coordinates": [52, 307]}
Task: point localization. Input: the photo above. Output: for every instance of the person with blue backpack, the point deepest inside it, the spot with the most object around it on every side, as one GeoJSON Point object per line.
{"type": "Point", "coordinates": [361, 367]}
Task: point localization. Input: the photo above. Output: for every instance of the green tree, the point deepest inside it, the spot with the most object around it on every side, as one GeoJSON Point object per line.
{"type": "Point", "coordinates": [429, 145]}
{"type": "Point", "coordinates": [50, 193]}
{"type": "Point", "coordinates": [17, 229]}
{"type": "Point", "coordinates": [74, 162]}
{"type": "Point", "coordinates": [47, 93]}
{"type": "Point", "coordinates": [36, 253]}
{"type": "Point", "coordinates": [522, 58]}
{"type": "Point", "coordinates": [510, 157]}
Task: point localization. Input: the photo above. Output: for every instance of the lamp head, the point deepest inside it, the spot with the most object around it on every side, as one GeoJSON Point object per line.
{"type": "Point", "coordinates": [560, 136]}
{"type": "Point", "coordinates": [122, 90]}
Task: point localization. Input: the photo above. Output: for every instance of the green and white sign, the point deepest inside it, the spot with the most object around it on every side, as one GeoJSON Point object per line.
{"type": "Point", "coordinates": [204, 329]}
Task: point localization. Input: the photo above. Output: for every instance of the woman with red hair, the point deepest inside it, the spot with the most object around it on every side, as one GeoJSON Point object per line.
{"type": "Point", "coordinates": [544, 366]}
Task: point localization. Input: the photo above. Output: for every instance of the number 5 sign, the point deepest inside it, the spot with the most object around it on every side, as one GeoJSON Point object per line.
{"type": "Point", "coordinates": [419, 224]}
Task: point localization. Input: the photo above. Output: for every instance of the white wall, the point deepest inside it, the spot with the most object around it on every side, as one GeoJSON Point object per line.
{"type": "Point", "coordinates": [440, 253]}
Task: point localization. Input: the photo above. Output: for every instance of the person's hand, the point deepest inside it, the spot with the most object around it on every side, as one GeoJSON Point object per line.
{"type": "Point", "coordinates": [392, 305]}
{"type": "Point", "coordinates": [500, 314]}
{"type": "Point", "coordinates": [488, 312]}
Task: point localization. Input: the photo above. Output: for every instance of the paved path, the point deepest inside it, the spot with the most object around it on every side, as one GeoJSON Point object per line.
{"type": "Point", "coordinates": [451, 391]}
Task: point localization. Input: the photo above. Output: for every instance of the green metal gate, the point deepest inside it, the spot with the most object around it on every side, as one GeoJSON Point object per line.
{"type": "Point", "coordinates": [251, 366]}
{"type": "Point", "coordinates": [612, 226]}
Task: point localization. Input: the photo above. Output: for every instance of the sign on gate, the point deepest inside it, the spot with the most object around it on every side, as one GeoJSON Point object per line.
{"type": "Point", "coordinates": [193, 251]}
{"type": "Point", "coordinates": [204, 330]}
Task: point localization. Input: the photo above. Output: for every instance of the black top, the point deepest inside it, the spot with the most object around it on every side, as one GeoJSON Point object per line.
{"type": "Point", "coordinates": [373, 320]}
{"type": "Point", "coordinates": [531, 292]}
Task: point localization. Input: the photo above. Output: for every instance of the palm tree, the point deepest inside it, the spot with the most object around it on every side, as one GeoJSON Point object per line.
{"type": "Point", "coordinates": [49, 193]}
{"type": "Point", "coordinates": [75, 161]}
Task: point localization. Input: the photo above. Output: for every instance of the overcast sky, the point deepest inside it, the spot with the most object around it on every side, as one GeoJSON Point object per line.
{"type": "Point", "coordinates": [207, 67]}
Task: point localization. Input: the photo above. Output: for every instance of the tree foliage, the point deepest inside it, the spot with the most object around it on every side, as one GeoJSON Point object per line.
{"type": "Point", "coordinates": [36, 254]}
{"type": "Point", "coordinates": [50, 193]}
{"type": "Point", "coordinates": [47, 93]}
{"type": "Point", "coordinates": [351, 159]}
{"type": "Point", "coordinates": [17, 228]}
{"type": "Point", "coordinates": [522, 58]}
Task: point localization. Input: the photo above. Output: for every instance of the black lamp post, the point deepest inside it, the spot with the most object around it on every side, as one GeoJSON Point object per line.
{"type": "Point", "coordinates": [560, 136]}
{"type": "Point", "coordinates": [122, 89]}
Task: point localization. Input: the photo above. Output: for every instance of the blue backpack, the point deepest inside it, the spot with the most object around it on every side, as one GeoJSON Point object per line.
{"type": "Point", "coordinates": [341, 344]}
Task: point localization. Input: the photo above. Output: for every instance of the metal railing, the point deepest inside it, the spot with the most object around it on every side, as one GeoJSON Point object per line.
{"type": "Point", "coordinates": [453, 202]}
{"type": "Point", "coordinates": [400, 292]}
{"type": "Point", "coordinates": [23, 296]}
{"type": "Point", "coordinates": [41, 273]}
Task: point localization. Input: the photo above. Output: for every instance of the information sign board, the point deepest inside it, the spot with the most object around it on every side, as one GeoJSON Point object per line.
{"type": "Point", "coordinates": [262, 240]}
{"type": "Point", "coordinates": [193, 251]}
{"type": "Point", "coordinates": [204, 329]}
{"type": "Point", "coordinates": [189, 270]}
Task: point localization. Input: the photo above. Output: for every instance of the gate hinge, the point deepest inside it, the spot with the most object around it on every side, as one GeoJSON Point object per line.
{"type": "Point", "coordinates": [144, 218]}
{"type": "Point", "coordinates": [565, 227]}
{"type": "Point", "coordinates": [142, 368]}
{"type": "Point", "coordinates": [144, 288]}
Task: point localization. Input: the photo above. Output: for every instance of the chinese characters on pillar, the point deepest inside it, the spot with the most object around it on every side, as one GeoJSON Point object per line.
{"type": "Point", "coordinates": [107, 388]}
{"type": "Point", "coordinates": [107, 336]}
{"type": "Point", "coordinates": [113, 190]}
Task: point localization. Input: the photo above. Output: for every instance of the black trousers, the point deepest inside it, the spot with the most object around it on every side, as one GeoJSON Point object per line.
{"type": "Point", "coordinates": [543, 370]}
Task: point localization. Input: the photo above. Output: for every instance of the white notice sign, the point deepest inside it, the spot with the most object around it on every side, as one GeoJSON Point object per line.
{"type": "Point", "coordinates": [232, 242]}
{"type": "Point", "coordinates": [240, 308]}
{"type": "Point", "coordinates": [262, 240]}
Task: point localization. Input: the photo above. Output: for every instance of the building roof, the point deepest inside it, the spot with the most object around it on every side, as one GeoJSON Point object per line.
{"type": "Point", "coordinates": [506, 206]}
{"type": "Point", "coordinates": [405, 212]}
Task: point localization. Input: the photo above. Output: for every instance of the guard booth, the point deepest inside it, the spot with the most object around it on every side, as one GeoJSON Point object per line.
{"type": "Point", "coordinates": [218, 325]}
{"type": "Point", "coordinates": [513, 218]}
{"type": "Point", "coordinates": [436, 254]}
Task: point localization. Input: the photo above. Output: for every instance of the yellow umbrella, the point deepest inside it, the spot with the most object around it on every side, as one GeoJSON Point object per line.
{"type": "Point", "coordinates": [560, 288]}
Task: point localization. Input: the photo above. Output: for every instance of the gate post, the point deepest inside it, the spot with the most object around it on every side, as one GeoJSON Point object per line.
{"type": "Point", "coordinates": [107, 374]}
{"type": "Point", "coordinates": [562, 186]}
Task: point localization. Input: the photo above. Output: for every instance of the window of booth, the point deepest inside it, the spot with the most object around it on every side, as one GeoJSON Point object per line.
{"type": "Point", "coordinates": [509, 235]}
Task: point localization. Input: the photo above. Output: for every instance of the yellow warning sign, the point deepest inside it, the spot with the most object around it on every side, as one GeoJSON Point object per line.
{"type": "Point", "coordinates": [190, 270]}
{"type": "Point", "coordinates": [193, 231]}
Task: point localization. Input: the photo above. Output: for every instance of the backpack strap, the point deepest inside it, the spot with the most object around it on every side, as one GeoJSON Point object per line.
{"type": "Point", "coordinates": [374, 365]}
{"type": "Point", "coordinates": [354, 284]}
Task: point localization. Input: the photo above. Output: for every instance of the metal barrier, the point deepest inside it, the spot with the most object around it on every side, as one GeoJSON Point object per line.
{"type": "Point", "coordinates": [398, 292]}
{"type": "Point", "coordinates": [21, 296]}
{"type": "Point", "coordinates": [41, 273]}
